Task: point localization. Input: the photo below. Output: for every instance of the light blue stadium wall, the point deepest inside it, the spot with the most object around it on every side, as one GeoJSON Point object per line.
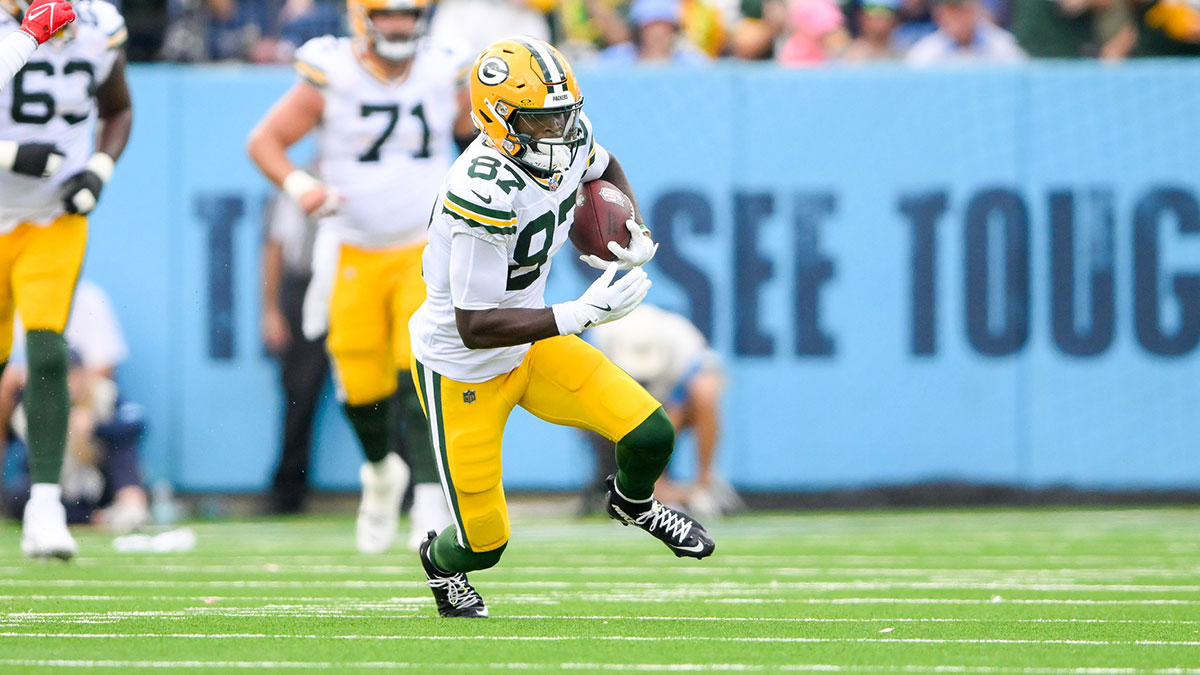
{"type": "Point", "coordinates": [823, 226]}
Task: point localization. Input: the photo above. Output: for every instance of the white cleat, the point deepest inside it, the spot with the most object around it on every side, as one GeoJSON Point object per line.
{"type": "Point", "coordinates": [379, 512]}
{"type": "Point", "coordinates": [44, 532]}
{"type": "Point", "coordinates": [428, 512]}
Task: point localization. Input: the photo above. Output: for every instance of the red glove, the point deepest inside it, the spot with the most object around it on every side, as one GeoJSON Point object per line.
{"type": "Point", "coordinates": [44, 18]}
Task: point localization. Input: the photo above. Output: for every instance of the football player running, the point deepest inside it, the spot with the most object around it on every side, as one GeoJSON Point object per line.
{"type": "Point", "coordinates": [64, 122]}
{"type": "Point", "coordinates": [43, 19]}
{"type": "Point", "coordinates": [484, 340]}
{"type": "Point", "coordinates": [386, 105]}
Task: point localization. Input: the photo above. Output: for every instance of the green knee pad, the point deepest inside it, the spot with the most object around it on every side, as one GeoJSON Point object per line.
{"type": "Point", "coordinates": [643, 453]}
{"type": "Point", "coordinates": [374, 424]}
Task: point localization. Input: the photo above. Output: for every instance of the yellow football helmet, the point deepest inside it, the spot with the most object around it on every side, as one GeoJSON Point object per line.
{"type": "Point", "coordinates": [526, 101]}
{"type": "Point", "coordinates": [390, 47]}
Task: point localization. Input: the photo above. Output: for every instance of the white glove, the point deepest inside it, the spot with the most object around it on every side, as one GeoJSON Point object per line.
{"type": "Point", "coordinates": [605, 300]}
{"type": "Point", "coordinates": [641, 249]}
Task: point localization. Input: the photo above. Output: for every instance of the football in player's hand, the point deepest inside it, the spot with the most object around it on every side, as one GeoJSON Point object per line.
{"type": "Point", "coordinates": [601, 210]}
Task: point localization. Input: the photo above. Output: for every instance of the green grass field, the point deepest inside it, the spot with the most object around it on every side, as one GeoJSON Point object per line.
{"type": "Point", "coordinates": [1092, 592]}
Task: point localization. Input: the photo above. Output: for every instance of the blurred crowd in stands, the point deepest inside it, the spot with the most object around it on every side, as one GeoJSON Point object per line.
{"type": "Point", "coordinates": [788, 32]}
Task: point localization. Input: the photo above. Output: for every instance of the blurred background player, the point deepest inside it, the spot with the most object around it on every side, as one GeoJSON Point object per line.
{"type": "Point", "coordinates": [669, 356]}
{"type": "Point", "coordinates": [85, 122]}
{"type": "Point", "coordinates": [485, 341]}
{"type": "Point", "coordinates": [388, 105]}
{"type": "Point", "coordinates": [303, 364]}
{"type": "Point", "coordinates": [43, 19]}
{"type": "Point", "coordinates": [100, 479]}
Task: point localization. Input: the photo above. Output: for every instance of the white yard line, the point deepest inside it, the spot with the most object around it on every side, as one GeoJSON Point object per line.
{"type": "Point", "coordinates": [603, 638]}
{"type": "Point", "coordinates": [309, 612]}
{"type": "Point", "coordinates": [620, 667]}
{"type": "Point", "coordinates": [618, 585]}
{"type": "Point", "coordinates": [623, 599]}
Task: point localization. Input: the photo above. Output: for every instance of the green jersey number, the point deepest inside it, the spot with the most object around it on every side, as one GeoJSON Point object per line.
{"type": "Point", "coordinates": [39, 107]}
{"type": "Point", "coordinates": [488, 168]}
{"type": "Point", "coordinates": [392, 113]}
{"type": "Point", "coordinates": [524, 257]}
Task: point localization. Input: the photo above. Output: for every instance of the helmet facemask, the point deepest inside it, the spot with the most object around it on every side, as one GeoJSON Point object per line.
{"type": "Point", "coordinates": [395, 47]}
{"type": "Point", "coordinates": [544, 139]}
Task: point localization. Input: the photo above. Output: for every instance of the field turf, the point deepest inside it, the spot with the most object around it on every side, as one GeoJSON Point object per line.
{"type": "Point", "coordinates": [1075, 591]}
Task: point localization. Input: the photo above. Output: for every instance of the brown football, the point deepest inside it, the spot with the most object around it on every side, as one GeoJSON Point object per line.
{"type": "Point", "coordinates": [601, 210]}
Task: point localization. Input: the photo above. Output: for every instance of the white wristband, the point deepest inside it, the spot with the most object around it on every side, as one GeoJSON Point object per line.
{"type": "Point", "coordinates": [566, 319]}
{"type": "Point", "coordinates": [299, 182]}
{"type": "Point", "coordinates": [102, 165]}
{"type": "Point", "coordinates": [8, 154]}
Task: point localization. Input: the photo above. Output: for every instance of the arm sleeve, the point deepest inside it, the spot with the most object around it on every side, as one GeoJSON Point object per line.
{"type": "Point", "coordinates": [478, 272]}
{"type": "Point", "coordinates": [15, 51]}
{"type": "Point", "coordinates": [597, 163]}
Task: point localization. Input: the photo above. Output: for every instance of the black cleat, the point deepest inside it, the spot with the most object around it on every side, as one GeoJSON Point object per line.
{"type": "Point", "coordinates": [679, 531]}
{"type": "Point", "coordinates": [455, 597]}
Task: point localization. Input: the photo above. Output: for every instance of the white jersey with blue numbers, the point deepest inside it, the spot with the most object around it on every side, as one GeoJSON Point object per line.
{"type": "Point", "coordinates": [383, 145]}
{"type": "Point", "coordinates": [53, 100]}
{"type": "Point", "coordinates": [489, 196]}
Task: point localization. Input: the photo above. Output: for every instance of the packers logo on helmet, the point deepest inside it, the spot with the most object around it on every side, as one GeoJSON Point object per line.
{"type": "Point", "coordinates": [526, 101]}
{"type": "Point", "coordinates": [389, 47]}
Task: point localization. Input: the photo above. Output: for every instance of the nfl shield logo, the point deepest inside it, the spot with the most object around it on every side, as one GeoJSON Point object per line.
{"type": "Point", "coordinates": [555, 180]}
{"type": "Point", "coordinates": [469, 396]}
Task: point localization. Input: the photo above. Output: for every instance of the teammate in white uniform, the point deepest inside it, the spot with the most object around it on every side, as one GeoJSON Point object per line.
{"type": "Point", "coordinates": [386, 105]}
{"type": "Point", "coordinates": [64, 120]}
{"type": "Point", "coordinates": [484, 341]}
{"type": "Point", "coordinates": [43, 19]}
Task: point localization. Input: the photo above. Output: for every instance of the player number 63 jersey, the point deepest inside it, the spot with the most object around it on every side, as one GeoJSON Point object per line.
{"type": "Point", "coordinates": [491, 197]}
{"type": "Point", "coordinates": [53, 100]}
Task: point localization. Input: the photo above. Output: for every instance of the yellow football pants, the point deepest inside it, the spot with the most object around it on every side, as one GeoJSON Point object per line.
{"type": "Point", "coordinates": [39, 267]}
{"type": "Point", "coordinates": [563, 380]}
{"type": "Point", "coordinates": [374, 294]}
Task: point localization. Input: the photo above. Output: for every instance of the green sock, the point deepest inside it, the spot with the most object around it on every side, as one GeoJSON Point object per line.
{"type": "Point", "coordinates": [47, 404]}
{"type": "Point", "coordinates": [419, 450]}
{"type": "Point", "coordinates": [448, 556]}
{"type": "Point", "coordinates": [375, 427]}
{"type": "Point", "coordinates": [643, 455]}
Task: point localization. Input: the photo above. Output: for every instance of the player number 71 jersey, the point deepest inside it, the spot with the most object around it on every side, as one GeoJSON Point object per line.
{"type": "Point", "coordinates": [383, 145]}
{"type": "Point", "coordinates": [491, 197]}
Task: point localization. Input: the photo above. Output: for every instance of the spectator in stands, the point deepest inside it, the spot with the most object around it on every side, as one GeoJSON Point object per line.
{"type": "Point", "coordinates": [240, 30]}
{"type": "Point", "coordinates": [816, 33]}
{"type": "Point", "coordinates": [101, 482]}
{"type": "Point", "coordinates": [478, 23]}
{"type": "Point", "coordinates": [877, 20]}
{"type": "Point", "coordinates": [1060, 29]}
{"type": "Point", "coordinates": [590, 26]}
{"type": "Point", "coordinates": [669, 356]}
{"type": "Point", "coordinates": [656, 37]}
{"type": "Point", "coordinates": [759, 25]}
{"type": "Point", "coordinates": [303, 364]}
{"type": "Point", "coordinates": [1164, 28]}
{"type": "Point", "coordinates": [963, 35]}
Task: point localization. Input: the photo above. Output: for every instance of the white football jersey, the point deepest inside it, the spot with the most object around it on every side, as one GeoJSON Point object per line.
{"type": "Point", "coordinates": [384, 146]}
{"type": "Point", "coordinates": [490, 196]}
{"type": "Point", "coordinates": [53, 100]}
